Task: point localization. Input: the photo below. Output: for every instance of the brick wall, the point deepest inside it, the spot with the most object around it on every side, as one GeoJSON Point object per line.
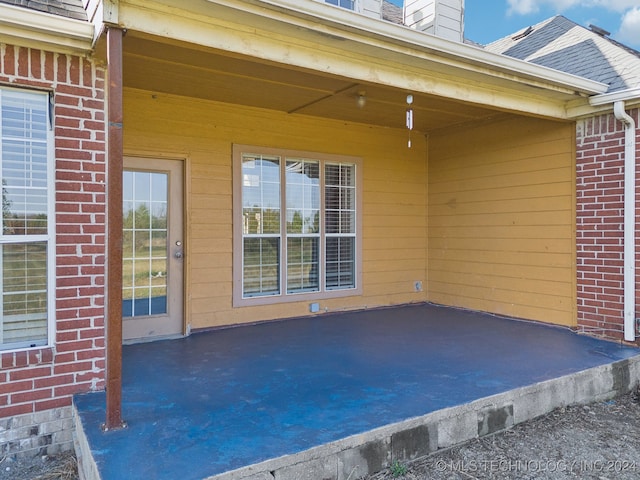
{"type": "Point", "coordinates": [37, 380]}
{"type": "Point", "coordinates": [600, 225]}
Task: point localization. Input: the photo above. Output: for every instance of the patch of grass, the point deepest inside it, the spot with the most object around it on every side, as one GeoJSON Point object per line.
{"type": "Point", "coordinates": [398, 469]}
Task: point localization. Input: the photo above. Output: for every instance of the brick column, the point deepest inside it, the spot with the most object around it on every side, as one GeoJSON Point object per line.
{"type": "Point", "coordinates": [600, 225]}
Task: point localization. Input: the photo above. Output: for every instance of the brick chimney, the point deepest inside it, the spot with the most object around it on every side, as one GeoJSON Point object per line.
{"type": "Point", "coordinates": [443, 18]}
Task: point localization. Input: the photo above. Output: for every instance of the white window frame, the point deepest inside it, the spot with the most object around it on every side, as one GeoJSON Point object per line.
{"type": "Point", "coordinates": [357, 5]}
{"type": "Point", "coordinates": [49, 238]}
{"type": "Point", "coordinates": [239, 299]}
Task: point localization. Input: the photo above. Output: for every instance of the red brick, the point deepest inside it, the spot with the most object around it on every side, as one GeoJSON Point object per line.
{"type": "Point", "coordinates": [8, 360]}
{"type": "Point", "coordinates": [36, 66]}
{"type": "Point", "coordinates": [49, 60]}
{"type": "Point", "coordinates": [54, 381]}
{"type": "Point", "coordinates": [75, 346]}
{"type": "Point", "coordinates": [68, 123]}
{"type": "Point", "coordinates": [66, 357]}
{"type": "Point", "coordinates": [67, 336]}
{"type": "Point", "coordinates": [54, 403]}
{"type": "Point", "coordinates": [67, 271]}
{"type": "Point", "coordinates": [86, 377]}
{"type": "Point", "coordinates": [93, 124]}
{"type": "Point", "coordinates": [29, 373]}
{"type": "Point", "coordinates": [73, 302]}
{"type": "Point", "coordinates": [46, 355]}
{"type": "Point", "coordinates": [31, 396]}
{"type": "Point", "coordinates": [72, 367]}
{"type": "Point", "coordinates": [89, 354]}
{"type": "Point", "coordinates": [87, 73]}
{"type": "Point", "coordinates": [21, 359]}
{"type": "Point", "coordinates": [91, 145]}
{"type": "Point", "coordinates": [72, 154]}
{"type": "Point", "coordinates": [75, 197]}
{"type": "Point", "coordinates": [23, 62]}
{"type": "Point", "coordinates": [9, 60]}
{"type": "Point", "coordinates": [92, 333]}
{"type": "Point", "coordinates": [74, 260]}
{"type": "Point", "coordinates": [13, 410]}
{"type": "Point", "coordinates": [68, 207]}
{"type": "Point", "coordinates": [61, 71]}
{"type": "Point", "coordinates": [96, 311]}
{"type": "Point", "coordinates": [67, 324]}
{"type": "Point", "coordinates": [72, 389]}
{"type": "Point", "coordinates": [16, 386]}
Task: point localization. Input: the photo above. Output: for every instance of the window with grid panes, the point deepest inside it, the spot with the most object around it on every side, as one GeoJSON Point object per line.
{"type": "Point", "coordinates": [296, 225]}
{"type": "Point", "coordinates": [25, 241]}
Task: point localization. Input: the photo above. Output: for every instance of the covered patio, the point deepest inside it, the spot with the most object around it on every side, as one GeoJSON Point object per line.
{"type": "Point", "coordinates": [338, 395]}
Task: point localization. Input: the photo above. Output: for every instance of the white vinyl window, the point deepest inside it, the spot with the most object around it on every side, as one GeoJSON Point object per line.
{"type": "Point", "coordinates": [296, 225]}
{"type": "Point", "coordinates": [348, 4]}
{"type": "Point", "coordinates": [26, 247]}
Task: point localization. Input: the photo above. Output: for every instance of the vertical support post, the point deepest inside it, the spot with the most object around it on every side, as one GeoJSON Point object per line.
{"type": "Point", "coordinates": [114, 230]}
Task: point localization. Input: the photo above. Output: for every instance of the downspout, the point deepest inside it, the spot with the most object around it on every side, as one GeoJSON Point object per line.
{"type": "Point", "coordinates": [629, 220]}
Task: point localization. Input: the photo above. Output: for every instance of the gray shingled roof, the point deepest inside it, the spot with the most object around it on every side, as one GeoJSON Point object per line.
{"type": "Point", "coordinates": [392, 13]}
{"type": "Point", "coordinates": [64, 8]}
{"type": "Point", "coordinates": [563, 45]}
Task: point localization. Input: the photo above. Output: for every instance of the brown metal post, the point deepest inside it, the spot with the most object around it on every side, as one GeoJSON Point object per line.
{"type": "Point", "coordinates": [114, 230]}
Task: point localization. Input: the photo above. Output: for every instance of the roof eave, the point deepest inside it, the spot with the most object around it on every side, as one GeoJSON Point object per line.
{"type": "Point", "coordinates": [30, 28]}
{"type": "Point", "coordinates": [488, 62]}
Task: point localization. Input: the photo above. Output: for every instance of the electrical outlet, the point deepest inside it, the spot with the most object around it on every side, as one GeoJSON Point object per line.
{"type": "Point", "coordinates": [417, 286]}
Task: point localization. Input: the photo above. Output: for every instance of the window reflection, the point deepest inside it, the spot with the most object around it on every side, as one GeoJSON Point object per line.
{"type": "Point", "coordinates": [145, 247]}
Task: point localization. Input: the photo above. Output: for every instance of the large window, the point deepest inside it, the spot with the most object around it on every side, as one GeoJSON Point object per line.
{"type": "Point", "coordinates": [25, 241]}
{"type": "Point", "coordinates": [296, 225]}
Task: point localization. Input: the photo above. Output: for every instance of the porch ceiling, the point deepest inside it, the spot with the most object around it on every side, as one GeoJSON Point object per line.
{"type": "Point", "coordinates": [178, 68]}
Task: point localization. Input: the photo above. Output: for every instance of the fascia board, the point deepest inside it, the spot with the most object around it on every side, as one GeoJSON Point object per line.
{"type": "Point", "coordinates": [631, 95]}
{"type": "Point", "coordinates": [599, 104]}
{"type": "Point", "coordinates": [35, 29]}
{"type": "Point", "coordinates": [459, 54]}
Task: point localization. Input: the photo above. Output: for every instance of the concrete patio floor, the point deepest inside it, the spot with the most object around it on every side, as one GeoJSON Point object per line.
{"type": "Point", "coordinates": [229, 399]}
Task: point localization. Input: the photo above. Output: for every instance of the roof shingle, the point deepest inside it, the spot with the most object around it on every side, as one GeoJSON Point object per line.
{"type": "Point", "coordinates": [64, 8]}
{"type": "Point", "coordinates": [563, 45]}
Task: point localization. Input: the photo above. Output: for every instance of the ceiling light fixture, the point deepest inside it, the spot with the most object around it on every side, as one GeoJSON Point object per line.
{"type": "Point", "coordinates": [409, 117]}
{"type": "Point", "coordinates": [361, 99]}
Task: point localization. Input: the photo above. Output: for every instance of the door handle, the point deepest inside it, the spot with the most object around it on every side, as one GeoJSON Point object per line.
{"type": "Point", "coordinates": [178, 253]}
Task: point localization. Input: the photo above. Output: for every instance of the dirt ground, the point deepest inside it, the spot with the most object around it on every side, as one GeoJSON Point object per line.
{"type": "Point", "coordinates": [59, 467]}
{"type": "Point", "coordinates": [598, 441]}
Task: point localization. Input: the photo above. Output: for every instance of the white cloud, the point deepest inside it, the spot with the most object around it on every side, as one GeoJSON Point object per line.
{"type": "Point", "coordinates": [524, 7]}
{"type": "Point", "coordinates": [613, 5]}
{"type": "Point", "coordinates": [629, 32]}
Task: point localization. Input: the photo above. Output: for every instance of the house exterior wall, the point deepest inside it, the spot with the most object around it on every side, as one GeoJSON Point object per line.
{"type": "Point", "coordinates": [203, 133]}
{"type": "Point", "coordinates": [501, 209]}
{"type": "Point", "coordinates": [37, 384]}
{"type": "Point", "coordinates": [600, 224]}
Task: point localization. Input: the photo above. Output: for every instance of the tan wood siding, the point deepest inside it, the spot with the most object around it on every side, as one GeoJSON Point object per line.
{"type": "Point", "coordinates": [501, 219]}
{"type": "Point", "coordinates": [394, 197]}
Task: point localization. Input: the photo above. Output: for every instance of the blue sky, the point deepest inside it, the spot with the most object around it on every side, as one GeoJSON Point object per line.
{"type": "Point", "coordinates": [488, 20]}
